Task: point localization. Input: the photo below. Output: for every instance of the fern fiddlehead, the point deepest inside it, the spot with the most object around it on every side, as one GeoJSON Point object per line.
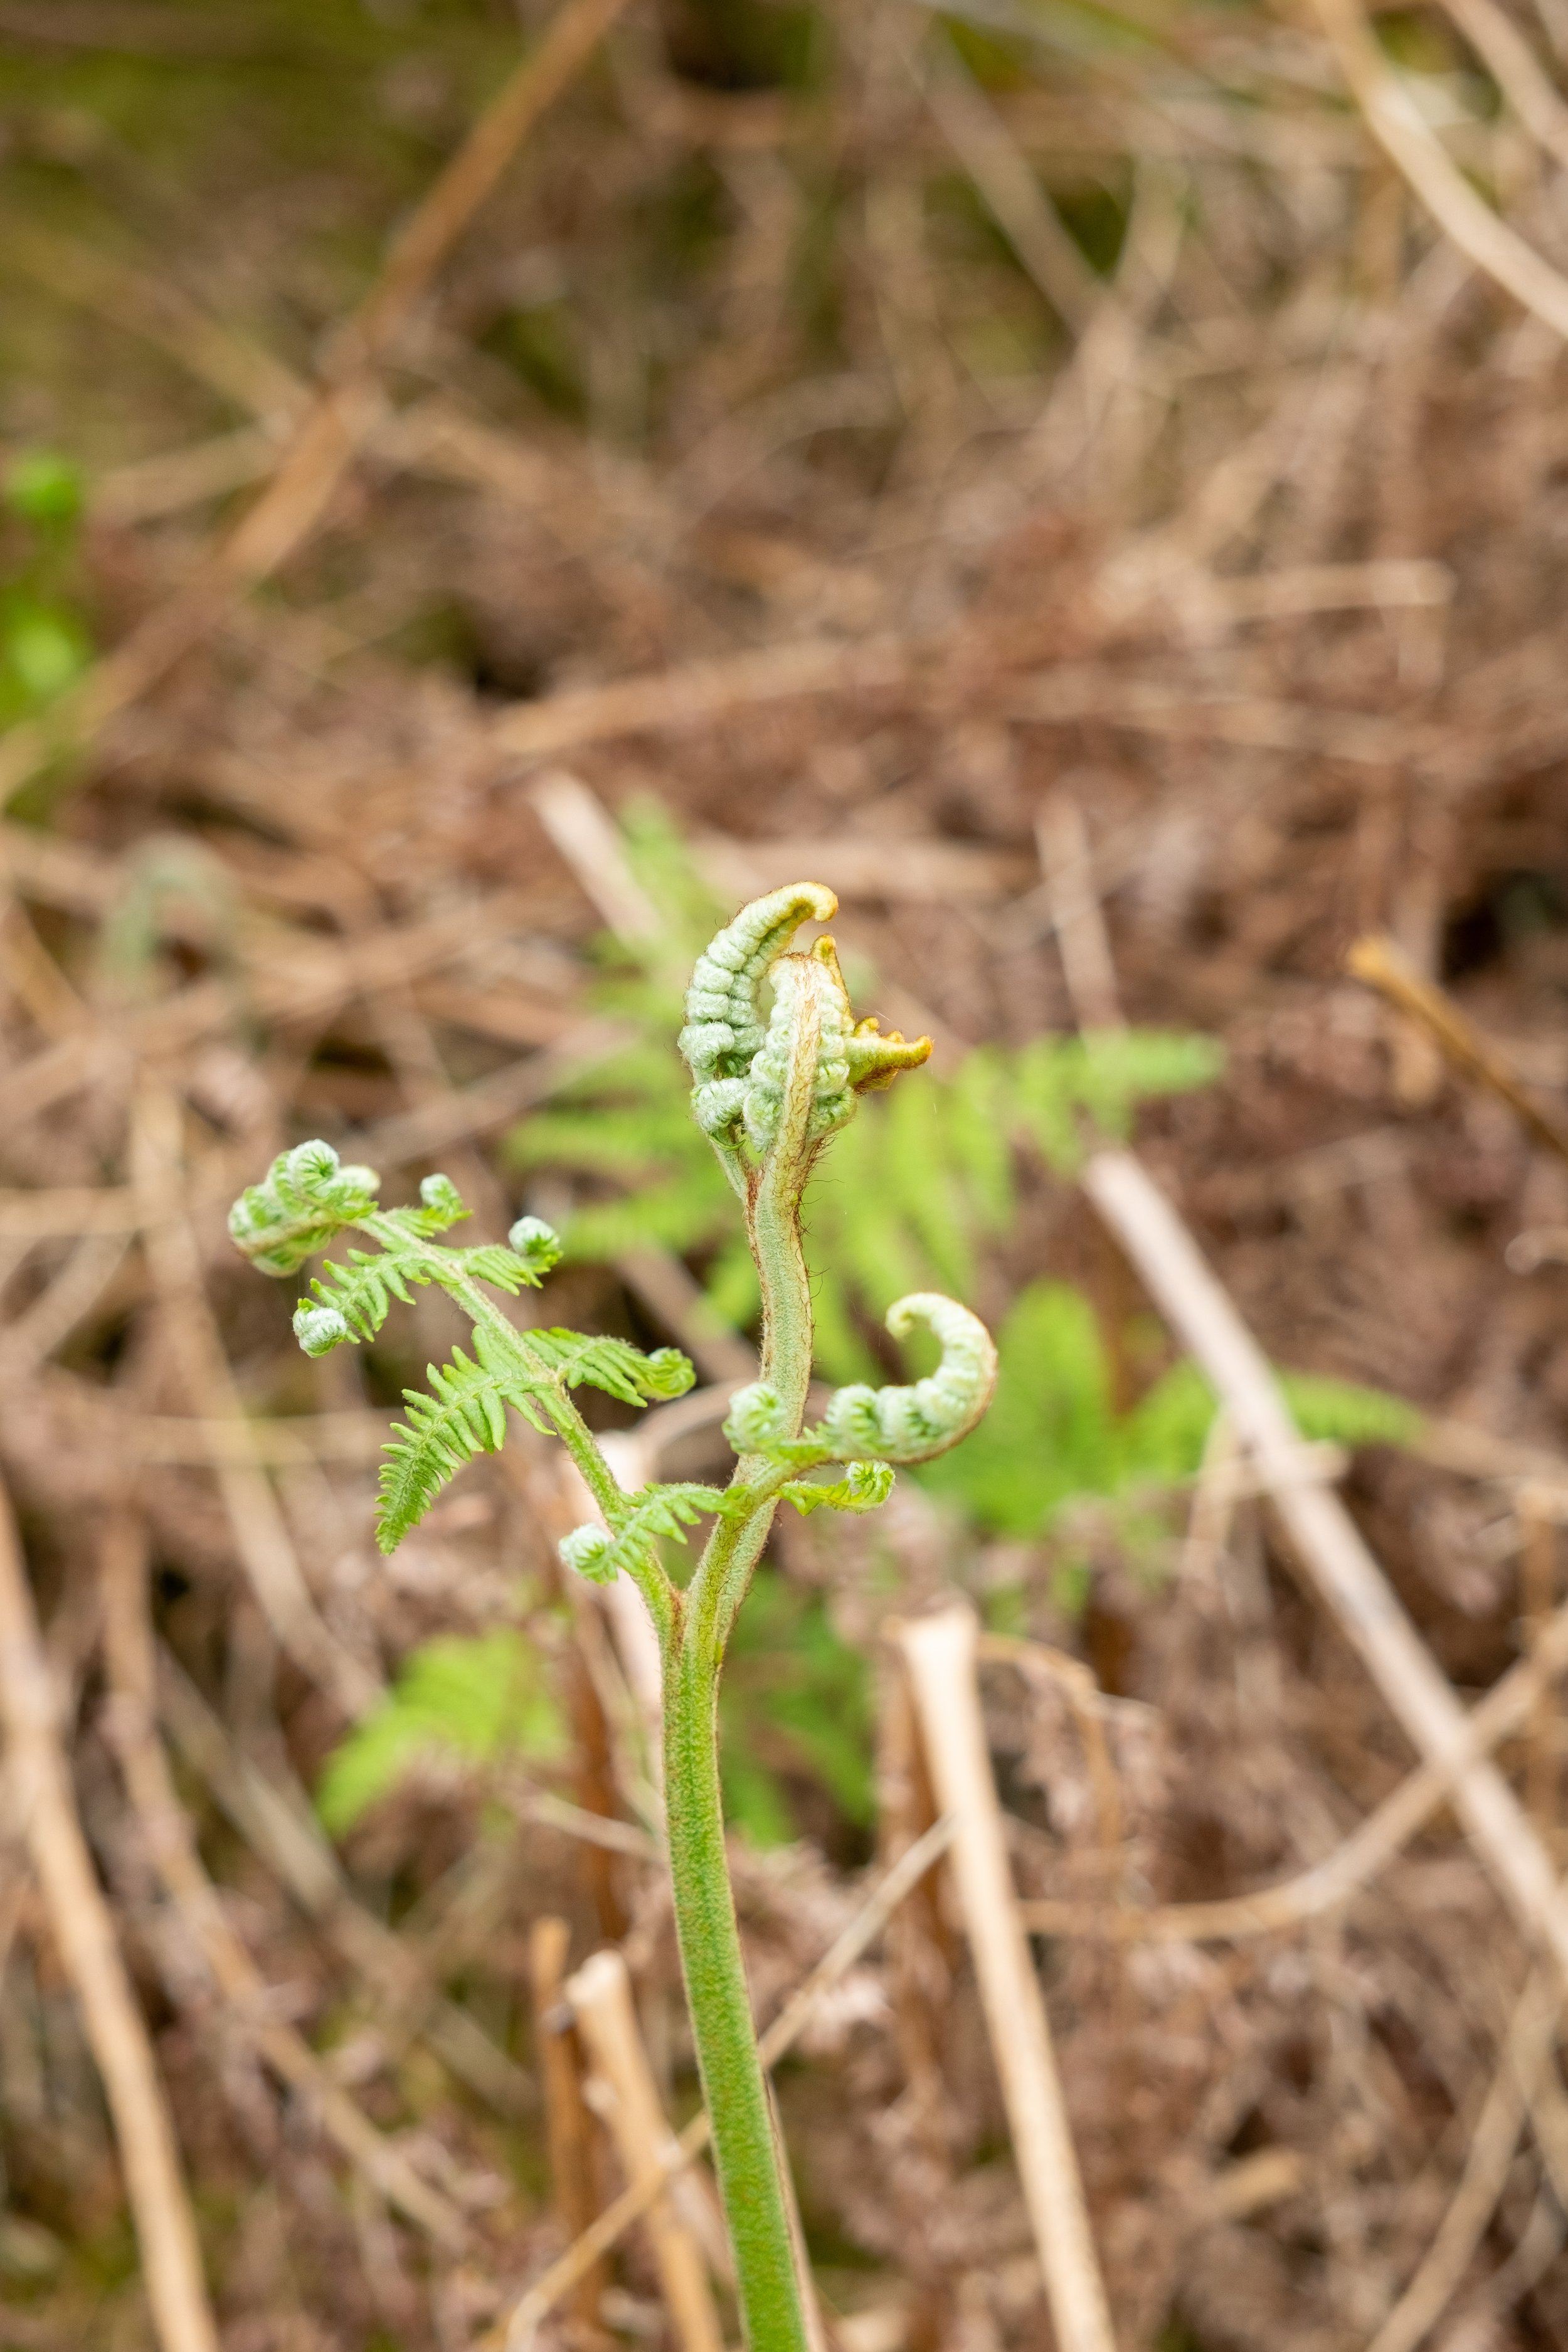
{"type": "Point", "coordinates": [770, 1089]}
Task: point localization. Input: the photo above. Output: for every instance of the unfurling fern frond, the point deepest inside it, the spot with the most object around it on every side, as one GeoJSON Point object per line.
{"type": "Point", "coordinates": [352, 1301]}
{"type": "Point", "coordinates": [613, 1365]}
{"type": "Point", "coordinates": [463, 1416]}
{"type": "Point", "coordinates": [600, 1553]}
{"type": "Point", "coordinates": [306, 1198]}
{"type": "Point", "coordinates": [912, 1425]}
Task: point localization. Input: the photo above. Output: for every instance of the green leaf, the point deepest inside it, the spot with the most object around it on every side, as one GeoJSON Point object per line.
{"type": "Point", "coordinates": [475, 1699]}
{"type": "Point", "coordinates": [622, 1370]}
{"type": "Point", "coordinates": [44, 648]}
{"type": "Point", "coordinates": [865, 1486]}
{"type": "Point", "coordinates": [463, 1416]}
{"type": "Point", "coordinates": [42, 487]}
{"type": "Point", "coordinates": [601, 1553]}
{"type": "Point", "coordinates": [1342, 1412]}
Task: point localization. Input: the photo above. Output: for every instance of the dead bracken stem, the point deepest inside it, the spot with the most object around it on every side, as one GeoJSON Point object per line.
{"type": "Point", "coordinates": [84, 1935]}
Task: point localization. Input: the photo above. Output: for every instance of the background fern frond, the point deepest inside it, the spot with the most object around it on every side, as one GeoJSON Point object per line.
{"type": "Point", "coordinates": [1053, 1434]}
{"type": "Point", "coordinates": [916, 1185]}
{"type": "Point", "coordinates": [475, 1699]}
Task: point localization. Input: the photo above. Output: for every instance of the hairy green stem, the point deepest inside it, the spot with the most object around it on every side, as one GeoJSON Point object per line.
{"type": "Point", "coordinates": [746, 2152]}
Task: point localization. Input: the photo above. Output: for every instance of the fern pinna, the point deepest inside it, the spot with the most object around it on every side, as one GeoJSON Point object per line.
{"type": "Point", "coordinates": [773, 1083]}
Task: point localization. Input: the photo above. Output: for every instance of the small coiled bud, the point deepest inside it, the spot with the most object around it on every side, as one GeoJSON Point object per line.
{"type": "Point", "coordinates": [756, 1419]}
{"type": "Point", "coordinates": [442, 1200]}
{"type": "Point", "coordinates": [319, 1329]}
{"type": "Point", "coordinates": [538, 1244]}
{"type": "Point", "coordinates": [586, 1550]}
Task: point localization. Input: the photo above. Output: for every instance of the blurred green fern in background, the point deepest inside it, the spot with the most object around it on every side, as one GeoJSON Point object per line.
{"type": "Point", "coordinates": [475, 1699]}
{"type": "Point", "coordinates": [1052, 1434]}
{"type": "Point", "coordinates": [44, 642]}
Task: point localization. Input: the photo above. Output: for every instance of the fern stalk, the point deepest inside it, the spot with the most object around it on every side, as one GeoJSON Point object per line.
{"type": "Point", "coordinates": [768, 1094]}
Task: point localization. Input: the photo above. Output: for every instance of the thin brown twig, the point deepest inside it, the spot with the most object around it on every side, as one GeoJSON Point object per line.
{"type": "Point", "coordinates": [1396, 123]}
{"type": "Point", "coordinates": [166, 1825]}
{"type": "Point", "coordinates": [1487, 2160]}
{"type": "Point", "coordinates": [323, 441]}
{"type": "Point", "coordinates": [1326, 1540]}
{"type": "Point", "coordinates": [84, 1932]}
{"type": "Point", "coordinates": [1378, 962]}
{"type": "Point", "coordinates": [1356, 1861]}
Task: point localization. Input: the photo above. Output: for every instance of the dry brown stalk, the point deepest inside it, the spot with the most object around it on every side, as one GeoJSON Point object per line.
{"type": "Point", "coordinates": [1527, 2045]}
{"type": "Point", "coordinates": [84, 1933]}
{"type": "Point", "coordinates": [1067, 859]}
{"type": "Point", "coordinates": [290, 1844]}
{"type": "Point", "coordinates": [698, 692]}
{"type": "Point", "coordinates": [323, 441]}
{"type": "Point", "coordinates": [518, 2331]}
{"type": "Point", "coordinates": [940, 1654]}
{"type": "Point", "coordinates": [601, 1998]}
{"type": "Point", "coordinates": [910, 870]}
{"type": "Point", "coordinates": [171, 1841]}
{"type": "Point", "coordinates": [1378, 962]}
{"type": "Point", "coordinates": [1512, 63]}
{"type": "Point", "coordinates": [585, 834]}
{"type": "Point", "coordinates": [261, 1536]}
{"type": "Point", "coordinates": [1397, 125]}
{"type": "Point", "coordinates": [568, 2120]}
{"type": "Point", "coordinates": [1523, 1691]}
{"type": "Point", "coordinates": [981, 140]}
{"type": "Point", "coordinates": [1325, 1540]}
{"type": "Point", "coordinates": [1538, 1549]}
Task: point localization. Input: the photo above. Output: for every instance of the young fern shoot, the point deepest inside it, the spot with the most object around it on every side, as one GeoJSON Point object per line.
{"type": "Point", "coordinates": [769, 1091]}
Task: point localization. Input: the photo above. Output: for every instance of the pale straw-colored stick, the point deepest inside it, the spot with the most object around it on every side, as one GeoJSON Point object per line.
{"type": "Point", "coordinates": [601, 1998]}
{"type": "Point", "coordinates": [1078, 918]}
{"type": "Point", "coordinates": [940, 1653]}
{"type": "Point", "coordinates": [1396, 123]}
{"type": "Point", "coordinates": [1486, 2161]}
{"type": "Point", "coordinates": [172, 1846]}
{"type": "Point", "coordinates": [1325, 1538]}
{"type": "Point", "coordinates": [84, 1933]}
{"type": "Point", "coordinates": [569, 2124]}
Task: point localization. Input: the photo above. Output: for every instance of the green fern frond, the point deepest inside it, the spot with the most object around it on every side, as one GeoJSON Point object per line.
{"type": "Point", "coordinates": [613, 1365]}
{"type": "Point", "coordinates": [463, 1416]}
{"type": "Point", "coordinates": [476, 1700]}
{"type": "Point", "coordinates": [1342, 1413]}
{"type": "Point", "coordinates": [305, 1200]}
{"type": "Point", "coordinates": [357, 1295]}
{"type": "Point", "coordinates": [865, 1486]}
{"type": "Point", "coordinates": [600, 1553]}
